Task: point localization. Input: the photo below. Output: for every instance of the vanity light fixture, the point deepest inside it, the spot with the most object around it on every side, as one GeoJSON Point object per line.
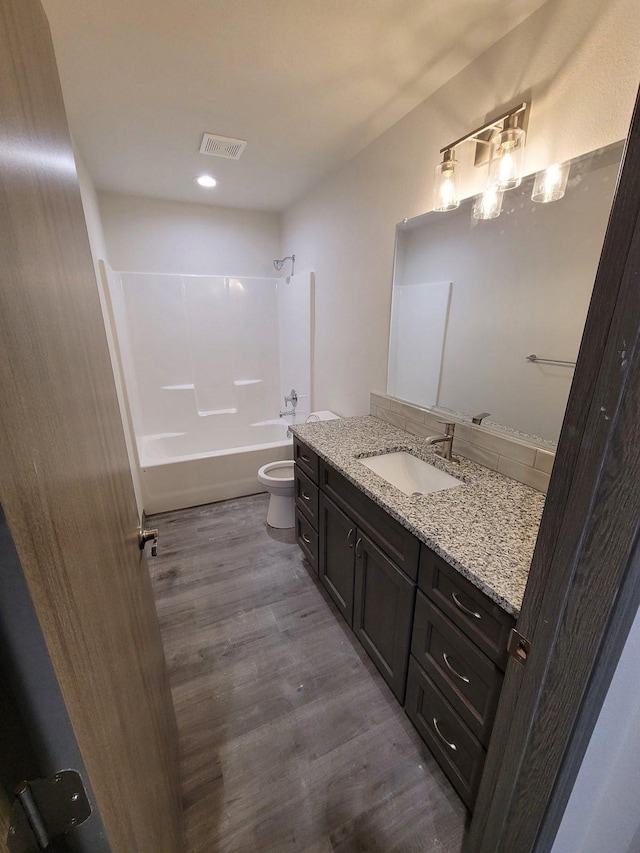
{"type": "Point", "coordinates": [500, 142]}
{"type": "Point", "coordinates": [550, 185]}
{"type": "Point", "coordinates": [205, 181]}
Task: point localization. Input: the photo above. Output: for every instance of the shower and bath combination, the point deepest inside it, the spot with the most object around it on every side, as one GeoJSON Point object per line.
{"type": "Point", "coordinates": [279, 264]}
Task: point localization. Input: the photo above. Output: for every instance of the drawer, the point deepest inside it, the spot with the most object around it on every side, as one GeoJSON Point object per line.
{"type": "Point", "coordinates": [306, 496]}
{"type": "Point", "coordinates": [464, 675]}
{"type": "Point", "coordinates": [306, 459]}
{"type": "Point", "coordinates": [472, 611]}
{"type": "Point", "coordinates": [388, 534]}
{"type": "Point", "coordinates": [307, 539]}
{"type": "Point", "coordinates": [457, 751]}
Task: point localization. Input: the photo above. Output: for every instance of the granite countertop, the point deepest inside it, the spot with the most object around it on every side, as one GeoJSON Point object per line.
{"type": "Point", "coordinates": [486, 529]}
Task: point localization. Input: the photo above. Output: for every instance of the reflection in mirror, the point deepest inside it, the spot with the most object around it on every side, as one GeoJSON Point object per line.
{"type": "Point", "coordinates": [472, 298]}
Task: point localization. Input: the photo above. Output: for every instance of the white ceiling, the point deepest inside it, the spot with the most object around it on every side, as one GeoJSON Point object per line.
{"type": "Point", "coordinates": [308, 83]}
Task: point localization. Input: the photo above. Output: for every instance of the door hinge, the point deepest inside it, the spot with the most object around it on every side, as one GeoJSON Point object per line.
{"type": "Point", "coordinates": [518, 647]}
{"type": "Point", "coordinates": [45, 809]}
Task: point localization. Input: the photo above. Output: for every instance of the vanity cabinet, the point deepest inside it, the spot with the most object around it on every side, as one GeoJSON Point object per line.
{"type": "Point", "coordinates": [366, 561]}
{"type": "Point", "coordinates": [456, 669]}
{"type": "Point", "coordinates": [373, 595]}
{"type": "Point", "coordinates": [306, 498]}
{"type": "Point", "coordinates": [437, 640]}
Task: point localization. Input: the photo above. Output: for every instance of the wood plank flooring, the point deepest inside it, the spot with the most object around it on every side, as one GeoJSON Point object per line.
{"type": "Point", "coordinates": [291, 742]}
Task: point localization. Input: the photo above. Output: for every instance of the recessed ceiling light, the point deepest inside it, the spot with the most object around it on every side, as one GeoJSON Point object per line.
{"type": "Point", "coordinates": [205, 181]}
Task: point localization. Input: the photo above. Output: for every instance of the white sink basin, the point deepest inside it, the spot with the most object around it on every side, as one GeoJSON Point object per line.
{"type": "Point", "coordinates": [410, 474]}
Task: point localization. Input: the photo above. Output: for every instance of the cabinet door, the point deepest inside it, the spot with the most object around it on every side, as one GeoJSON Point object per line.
{"type": "Point", "coordinates": [336, 568]}
{"type": "Point", "coordinates": [383, 612]}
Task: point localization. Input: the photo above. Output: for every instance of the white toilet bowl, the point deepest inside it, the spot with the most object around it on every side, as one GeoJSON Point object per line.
{"type": "Point", "coordinates": [277, 478]}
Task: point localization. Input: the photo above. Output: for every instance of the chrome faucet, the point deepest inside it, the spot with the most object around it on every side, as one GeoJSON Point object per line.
{"type": "Point", "coordinates": [444, 439]}
{"type": "Point", "coordinates": [290, 398]}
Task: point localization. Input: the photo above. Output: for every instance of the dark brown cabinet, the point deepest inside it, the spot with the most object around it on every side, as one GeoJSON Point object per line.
{"type": "Point", "coordinates": [458, 653]}
{"type": "Point", "coordinates": [460, 670]}
{"type": "Point", "coordinates": [440, 646]}
{"type": "Point", "coordinates": [372, 594]}
{"type": "Point", "coordinates": [306, 495]}
{"type": "Point", "coordinates": [336, 564]}
{"type": "Point", "coordinates": [383, 612]}
{"type": "Point", "coordinates": [455, 748]}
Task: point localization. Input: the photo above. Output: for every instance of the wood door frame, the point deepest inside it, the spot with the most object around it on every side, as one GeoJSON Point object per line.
{"type": "Point", "coordinates": [584, 586]}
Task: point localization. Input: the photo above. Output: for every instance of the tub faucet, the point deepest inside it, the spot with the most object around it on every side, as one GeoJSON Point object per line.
{"type": "Point", "coordinates": [292, 398]}
{"type": "Point", "coordinates": [445, 440]}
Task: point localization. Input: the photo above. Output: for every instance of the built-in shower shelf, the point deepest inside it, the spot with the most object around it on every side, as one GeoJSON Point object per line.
{"type": "Point", "coordinates": [247, 381]}
{"type": "Point", "coordinates": [178, 387]}
{"type": "Point", "coordinates": [217, 412]}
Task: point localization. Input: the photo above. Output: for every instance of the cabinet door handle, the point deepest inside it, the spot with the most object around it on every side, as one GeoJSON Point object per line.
{"type": "Point", "coordinates": [349, 535]}
{"type": "Point", "coordinates": [358, 544]}
{"type": "Point", "coordinates": [305, 496]}
{"type": "Point", "coordinates": [442, 737]}
{"type": "Point", "coordinates": [464, 678]}
{"type": "Point", "coordinates": [464, 609]}
{"type": "Point", "coordinates": [308, 541]}
{"type": "Point", "coordinates": [304, 458]}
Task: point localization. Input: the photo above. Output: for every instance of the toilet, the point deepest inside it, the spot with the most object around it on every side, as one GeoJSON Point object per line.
{"type": "Point", "coordinates": [277, 478]}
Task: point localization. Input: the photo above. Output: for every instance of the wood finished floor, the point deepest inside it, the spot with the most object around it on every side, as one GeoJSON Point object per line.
{"type": "Point", "coordinates": [291, 742]}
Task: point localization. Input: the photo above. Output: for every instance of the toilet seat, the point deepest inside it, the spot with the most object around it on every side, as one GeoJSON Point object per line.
{"type": "Point", "coordinates": [275, 474]}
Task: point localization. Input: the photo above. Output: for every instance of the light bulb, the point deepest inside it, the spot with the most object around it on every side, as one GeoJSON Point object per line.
{"type": "Point", "coordinates": [447, 183]}
{"type": "Point", "coordinates": [489, 204]}
{"type": "Point", "coordinates": [507, 152]}
{"type": "Point", "coordinates": [550, 185]}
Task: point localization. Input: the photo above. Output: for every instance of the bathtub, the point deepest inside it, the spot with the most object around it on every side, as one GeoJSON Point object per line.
{"type": "Point", "coordinates": [181, 469]}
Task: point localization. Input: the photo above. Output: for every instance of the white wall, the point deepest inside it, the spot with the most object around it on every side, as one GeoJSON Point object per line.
{"type": "Point", "coordinates": [99, 252]}
{"type": "Point", "coordinates": [577, 61]}
{"type": "Point", "coordinates": [602, 812]}
{"type": "Point", "coordinates": [152, 235]}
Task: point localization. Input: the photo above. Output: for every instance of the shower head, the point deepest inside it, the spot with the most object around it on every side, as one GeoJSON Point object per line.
{"type": "Point", "coordinates": [279, 264]}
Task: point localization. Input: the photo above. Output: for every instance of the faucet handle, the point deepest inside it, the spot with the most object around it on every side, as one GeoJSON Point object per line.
{"type": "Point", "coordinates": [477, 419]}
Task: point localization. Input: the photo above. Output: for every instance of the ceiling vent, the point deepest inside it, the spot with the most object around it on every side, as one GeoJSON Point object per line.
{"type": "Point", "coordinates": [222, 146]}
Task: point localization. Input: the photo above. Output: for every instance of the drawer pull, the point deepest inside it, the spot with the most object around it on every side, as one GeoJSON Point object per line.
{"type": "Point", "coordinates": [308, 541]}
{"type": "Point", "coordinates": [304, 458]}
{"type": "Point", "coordinates": [349, 535]}
{"type": "Point", "coordinates": [464, 609]}
{"type": "Point", "coordinates": [306, 497]}
{"type": "Point", "coordinates": [358, 544]}
{"type": "Point", "coordinates": [445, 658]}
{"type": "Point", "coordinates": [442, 737]}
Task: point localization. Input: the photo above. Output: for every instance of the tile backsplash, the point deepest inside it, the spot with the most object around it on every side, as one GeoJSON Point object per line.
{"type": "Point", "coordinates": [511, 456]}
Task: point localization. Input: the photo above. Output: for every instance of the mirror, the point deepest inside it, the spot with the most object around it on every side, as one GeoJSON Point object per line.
{"type": "Point", "coordinates": [473, 298]}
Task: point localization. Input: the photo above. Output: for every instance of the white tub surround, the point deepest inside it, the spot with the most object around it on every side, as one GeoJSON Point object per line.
{"type": "Point", "coordinates": [207, 362]}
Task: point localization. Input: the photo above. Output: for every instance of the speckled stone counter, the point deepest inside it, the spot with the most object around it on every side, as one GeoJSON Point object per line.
{"type": "Point", "coordinates": [486, 529]}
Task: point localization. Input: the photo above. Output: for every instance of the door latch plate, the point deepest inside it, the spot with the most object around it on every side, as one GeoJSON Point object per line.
{"type": "Point", "coordinates": [518, 646]}
{"type": "Point", "coordinates": [45, 809]}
